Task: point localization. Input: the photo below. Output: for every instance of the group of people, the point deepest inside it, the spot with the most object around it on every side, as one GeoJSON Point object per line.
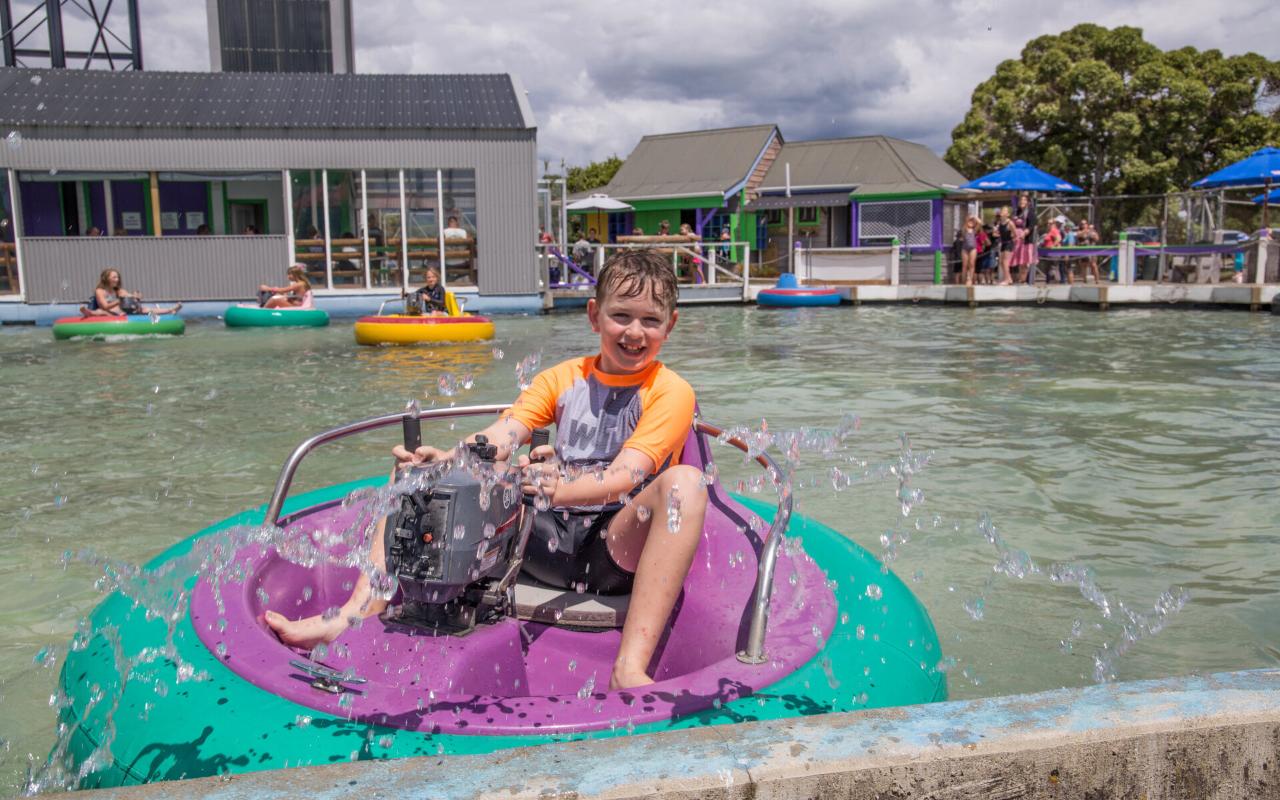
{"type": "Point", "coordinates": [1007, 250]}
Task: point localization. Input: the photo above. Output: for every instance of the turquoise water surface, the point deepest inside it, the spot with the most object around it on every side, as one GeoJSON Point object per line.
{"type": "Point", "coordinates": [1131, 453]}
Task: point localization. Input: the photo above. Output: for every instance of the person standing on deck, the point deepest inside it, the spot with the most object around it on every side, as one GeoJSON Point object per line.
{"type": "Point", "coordinates": [1030, 255]}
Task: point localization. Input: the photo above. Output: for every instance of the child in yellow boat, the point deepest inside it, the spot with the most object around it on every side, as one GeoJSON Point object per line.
{"type": "Point", "coordinates": [428, 299]}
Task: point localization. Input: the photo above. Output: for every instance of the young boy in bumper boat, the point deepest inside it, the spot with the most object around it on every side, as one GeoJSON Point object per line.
{"type": "Point", "coordinates": [612, 477]}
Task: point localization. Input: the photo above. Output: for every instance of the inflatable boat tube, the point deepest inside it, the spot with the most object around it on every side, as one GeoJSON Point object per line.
{"type": "Point", "coordinates": [246, 316]}
{"type": "Point", "coordinates": [133, 324]}
{"type": "Point", "coordinates": [841, 635]}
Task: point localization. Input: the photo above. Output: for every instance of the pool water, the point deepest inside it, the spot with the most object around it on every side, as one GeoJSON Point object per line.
{"type": "Point", "coordinates": [1140, 445]}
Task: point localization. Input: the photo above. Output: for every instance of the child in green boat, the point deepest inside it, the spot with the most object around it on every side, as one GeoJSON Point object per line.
{"type": "Point", "coordinates": [111, 299]}
{"type": "Point", "coordinates": [624, 514]}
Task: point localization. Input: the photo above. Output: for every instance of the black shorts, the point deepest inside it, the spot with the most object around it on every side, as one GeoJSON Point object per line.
{"type": "Point", "coordinates": [590, 564]}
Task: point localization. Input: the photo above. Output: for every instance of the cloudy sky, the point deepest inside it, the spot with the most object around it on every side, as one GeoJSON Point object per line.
{"type": "Point", "coordinates": [601, 74]}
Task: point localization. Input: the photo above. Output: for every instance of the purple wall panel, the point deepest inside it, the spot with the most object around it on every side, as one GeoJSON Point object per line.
{"type": "Point", "coordinates": [853, 225]}
{"type": "Point", "coordinates": [128, 196]}
{"type": "Point", "coordinates": [41, 208]}
{"type": "Point", "coordinates": [97, 207]}
{"type": "Point", "coordinates": [183, 196]}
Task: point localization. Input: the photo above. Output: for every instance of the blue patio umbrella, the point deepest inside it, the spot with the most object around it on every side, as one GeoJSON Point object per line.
{"type": "Point", "coordinates": [1272, 199]}
{"type": "Point", "coordinates": [1261, 168]}
{"type": "Point", "coordinates": [1021, 177]}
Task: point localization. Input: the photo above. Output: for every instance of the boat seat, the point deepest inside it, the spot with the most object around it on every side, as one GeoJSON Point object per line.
{"type": "Point", "coordinates": [538, 602]}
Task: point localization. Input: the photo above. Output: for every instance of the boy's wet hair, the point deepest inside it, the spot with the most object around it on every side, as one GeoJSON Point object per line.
{"type": "Point", "coordinates": [632, 273]}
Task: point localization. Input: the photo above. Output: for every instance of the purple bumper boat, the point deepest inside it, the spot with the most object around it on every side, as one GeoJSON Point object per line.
{"type": "Point", "coordinates": [761, 630]}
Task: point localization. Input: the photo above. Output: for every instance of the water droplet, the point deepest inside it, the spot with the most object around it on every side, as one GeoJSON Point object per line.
{"type": "Point", "coordinates": [35, 80]}
{"type": "Point", "coordinates": [860, 632]}
{"type": "Point", "coordinates": [874, 591]}
{"type": "Point", "coordinates": [47, 657]}
{"type": "Point", "coordinates": [573, 665]}
{"type": "Point", "coordinates": [14, 140]}
{"type": "Point", "coordinates": [497, 354]}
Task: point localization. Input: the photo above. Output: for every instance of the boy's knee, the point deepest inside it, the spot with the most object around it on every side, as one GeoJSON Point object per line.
{"type": "Point", "coordinates": [687, 480]}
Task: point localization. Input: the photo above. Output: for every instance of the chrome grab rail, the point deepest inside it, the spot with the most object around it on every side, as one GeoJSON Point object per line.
{"type": "Point", "coordinates": [754, 652]}
{"type": "Point", "coordinates": [300, 452]}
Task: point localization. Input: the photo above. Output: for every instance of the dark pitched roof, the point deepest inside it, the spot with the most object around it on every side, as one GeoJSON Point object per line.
{"type": "Point", "coordinates": [691, 163]}
{"type": "Point", "coordinates": [865, 165]}
{"type": "Point", "coordinates": [90, 98]}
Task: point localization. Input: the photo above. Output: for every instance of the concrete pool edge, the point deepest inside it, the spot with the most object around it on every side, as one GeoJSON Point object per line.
{"type": "Point", "coordinates": [1200, 736]}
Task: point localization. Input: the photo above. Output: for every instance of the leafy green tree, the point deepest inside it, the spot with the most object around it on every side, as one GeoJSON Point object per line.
{"type": "Point", "coordinates": [1115, 114]}
{"type": "Point", "coordinates": [593, 175]}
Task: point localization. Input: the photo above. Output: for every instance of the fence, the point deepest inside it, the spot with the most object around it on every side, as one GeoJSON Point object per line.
{"type": "Point", "coordinates": [849, 265]}
{"type": "Point", "coordinates": [1191, 263]}
{"type": "Point", "coordinates": [696, 263]}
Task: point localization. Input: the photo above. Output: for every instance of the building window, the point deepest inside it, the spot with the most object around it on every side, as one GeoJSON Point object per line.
{"type": "Point", "coordinates": [721, 220]}
{"type": "Point", "coordinates": [379, 216]}
{"type": "Point", "coordinates": [346, 250]}
{"type": "Point", "coordinates": [621, 223]}
{"type": "Point", "coordinates": [275, 36]}
{"type": "Point", "coordinates": [909, 221]}
{"type": "Point", "coordinates": [773, 216]}
{"type": "Point", "coordinates": [308, 223]}
{"type": "Point", "coordinates": [422, 203]}
{"type": "Point", "coordinates": [9, 283]}
{"type": "Point", "coordinates": [807, 215]}
{"type": "Point", "coordinates": [221, 203]}
{"type": "Point", "coordinates": [461, 253]}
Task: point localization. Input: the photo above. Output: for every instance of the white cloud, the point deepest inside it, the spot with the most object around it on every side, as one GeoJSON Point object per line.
{"type": "Point", "coordinates": [601, 75]}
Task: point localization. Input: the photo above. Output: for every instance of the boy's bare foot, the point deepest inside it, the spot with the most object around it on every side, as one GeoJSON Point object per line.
{"type": "Point", "coordinates": [307, 632]}
{"type": "Point", "coordinates": [624, 679]}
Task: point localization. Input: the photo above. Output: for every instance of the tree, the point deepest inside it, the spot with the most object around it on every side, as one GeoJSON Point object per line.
{"type": "Point", "coordinates": [1117, 115]}
{"type": "Point", "coordinates": [593, 175]}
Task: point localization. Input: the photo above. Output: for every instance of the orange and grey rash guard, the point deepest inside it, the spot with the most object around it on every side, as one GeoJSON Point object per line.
{"type": "Point", "coordinates": [597, 414]}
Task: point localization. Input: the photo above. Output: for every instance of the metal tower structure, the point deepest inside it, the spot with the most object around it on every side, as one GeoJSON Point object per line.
{"type": "Point", "coordinates": [88, 41]}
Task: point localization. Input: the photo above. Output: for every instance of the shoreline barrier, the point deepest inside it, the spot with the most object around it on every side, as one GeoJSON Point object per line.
{"type": "Point", "coordinates": [1215, 736]}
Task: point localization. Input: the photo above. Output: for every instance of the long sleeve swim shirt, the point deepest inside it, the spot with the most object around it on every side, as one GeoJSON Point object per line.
{"type": "Point", "coordinates": [597, 414]}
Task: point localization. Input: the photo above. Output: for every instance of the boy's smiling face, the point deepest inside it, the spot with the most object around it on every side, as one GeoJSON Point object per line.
{"type": "Point", "coordinates": [632, 330]}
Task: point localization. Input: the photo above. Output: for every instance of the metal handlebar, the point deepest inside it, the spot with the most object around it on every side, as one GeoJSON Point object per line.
{"type": "Point", "coordinates": [300, 452]}
{"type": "Point", "coordinates": [754, 651]}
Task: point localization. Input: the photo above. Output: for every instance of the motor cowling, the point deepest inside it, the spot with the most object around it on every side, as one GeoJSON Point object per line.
{"type": "Point", "coordinates": [451, 542]}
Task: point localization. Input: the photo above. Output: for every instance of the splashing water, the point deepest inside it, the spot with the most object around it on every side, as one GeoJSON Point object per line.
{"type": "Point", "coordinates": [14, 140]}
{"type": "Point", "coordinates": [673, 511]}
{"type": "Point", "coordinates": [527, 368]}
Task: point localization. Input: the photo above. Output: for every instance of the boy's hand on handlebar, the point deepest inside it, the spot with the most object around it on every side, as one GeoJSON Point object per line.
{"type": "Point", "coordinates": [423, 455]}
{"type": "Point", "coordinates": [539, 478]}
{"type": "Point", "coordinates": [543, 452]}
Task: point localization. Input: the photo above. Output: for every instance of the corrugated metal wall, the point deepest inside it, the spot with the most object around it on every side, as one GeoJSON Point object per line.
{"type": "Point", "coordinates": [171, 268]}
{"type": "Point", "coordinates": [505, 165]}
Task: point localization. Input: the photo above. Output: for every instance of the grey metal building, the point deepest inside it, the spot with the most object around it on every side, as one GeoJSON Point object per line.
{"type": "Point", "coordinates": [281, 36]}
{"type": "Point", "coordinates": [203, 185]}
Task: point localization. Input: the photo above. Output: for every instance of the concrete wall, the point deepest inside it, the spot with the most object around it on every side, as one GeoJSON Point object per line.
{"type": "Point", "coordinates": [1212, 737]}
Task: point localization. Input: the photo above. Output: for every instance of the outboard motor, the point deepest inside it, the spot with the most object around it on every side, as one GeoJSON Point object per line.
{"type": "Point", "coordinates": [455, 547]}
